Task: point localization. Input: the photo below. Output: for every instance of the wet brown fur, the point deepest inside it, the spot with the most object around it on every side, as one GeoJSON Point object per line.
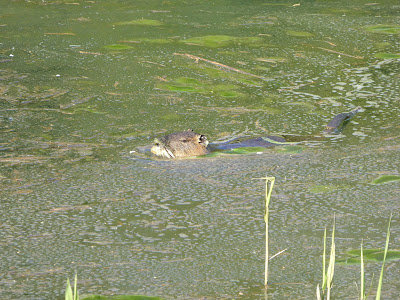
{"type": "Point", "coordinates": [180, 144]}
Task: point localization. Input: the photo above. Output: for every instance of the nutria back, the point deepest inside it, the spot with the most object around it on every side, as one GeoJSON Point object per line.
{"type": "Point", "coordinates": [180, 144]}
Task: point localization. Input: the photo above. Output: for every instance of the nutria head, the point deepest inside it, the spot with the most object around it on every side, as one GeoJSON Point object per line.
{"type": "Point", "coordinates": [180, 144]}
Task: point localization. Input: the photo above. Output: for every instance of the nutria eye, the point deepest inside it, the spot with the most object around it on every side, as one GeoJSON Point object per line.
{"type": "Point", "coordinates": [157, 144]}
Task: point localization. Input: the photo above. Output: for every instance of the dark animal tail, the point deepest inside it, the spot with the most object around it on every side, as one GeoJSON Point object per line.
{"type": "Point", "coordinates": [337, 124]}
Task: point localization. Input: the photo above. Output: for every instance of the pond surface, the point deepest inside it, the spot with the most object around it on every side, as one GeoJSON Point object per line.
{"type": "Point", "coordinates": [84, 84]}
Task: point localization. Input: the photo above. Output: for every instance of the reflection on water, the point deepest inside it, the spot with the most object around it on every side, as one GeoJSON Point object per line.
{"type": "Point", "coordinates": [84, 83]}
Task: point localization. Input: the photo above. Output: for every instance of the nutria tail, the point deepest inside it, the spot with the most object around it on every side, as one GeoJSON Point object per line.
{"type": "Point", "coordinates": [180, 144]}
{"type": "Point", "coordinates": [336, 125]}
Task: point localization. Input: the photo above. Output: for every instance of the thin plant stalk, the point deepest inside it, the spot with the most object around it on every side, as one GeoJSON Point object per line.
{"type": "Point", "coordinates": [331, 266]}
{"type": "Point", "coordinates": [327, 274]}
{"type": "Point", "coordinates": [378, 291]}
{"type": "Point", "coordinates": [76, 296]}
{"type": "Point", "coordinates": [324, 263]}
{"type": "Point", "coordinates": [331, 271]}
{"type": "Point", "coordinates": [362, 285]}
{"type": "Point", "coordinates": [269, 185]}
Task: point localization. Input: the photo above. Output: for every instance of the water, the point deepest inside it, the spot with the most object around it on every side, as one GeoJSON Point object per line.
{"type": "Point", "coordinates": [75, 101]}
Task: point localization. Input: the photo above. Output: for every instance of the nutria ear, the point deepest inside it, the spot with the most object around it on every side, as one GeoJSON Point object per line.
{"type": "Point", "coordinates": [202, 138]}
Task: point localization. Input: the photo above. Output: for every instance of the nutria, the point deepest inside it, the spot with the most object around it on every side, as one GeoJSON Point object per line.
{"type": "Point", "coordinates": [189, 143]}
{"type": "Point", "coordinates": [180, 144]}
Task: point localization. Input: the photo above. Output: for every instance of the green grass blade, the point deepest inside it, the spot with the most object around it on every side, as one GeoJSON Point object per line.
{"type": "Point", "coordinates": [318, 293]}
{"type": "Point", "coordinates": [76, 297]}
{"type": "Point", "coordinates": [362, 286]}
{"type": "Point", "coordinates": [331, 271]}
{"type": "Point", "coordinates": [324, 264]}
{"type": "Point", "coordinates": [268, 192]}
{"type": "Point", "coordinates": [378, 291]}
{"type": "Point", "coordinates": [68, 291]}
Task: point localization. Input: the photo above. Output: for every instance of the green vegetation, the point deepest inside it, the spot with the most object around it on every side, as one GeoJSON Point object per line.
{"type": "Point", "coordinates": [378, 291]}
{"type": "Point", "coordinates": [385, 29]}
{"type": "Point", "coordinates": [327, 274]}
{"type": "Point", "coordinates": [386, 178]}
{"type": "Point", "coordinates": [141, 22]}
{"type": "Point", "coordinates": [74, 295]}
{"type": "Point", "coordinates": [290, 149]}
{"type": "Point", "coordinates": [219, 41]}
{"type": "Point", "coordinates": [69, 294]}
{"type": "Point", "coordinates": [156, 41]}
{"type": "Point", "coordinates": [299, 33]}
{"type": "Point", "coordinates": [387, 55]}
{"type": "Point", "coordinates": [323, 293]}
{"type": "Point", "coordinates": [369, 255]}
{"type": "Point", "coordinates": [118, 47]}
{"type": "Point", "coordinates": [269, 185]}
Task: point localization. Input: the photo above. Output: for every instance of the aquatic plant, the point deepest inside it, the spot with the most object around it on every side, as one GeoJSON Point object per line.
{"type": "Point", "coordinates": [118, 47]}
{"type": "Point", "coordinates": [74, 295]}
{"type": "Point", "coordinates": [69, 294]}
{"type": "Point", "coordinates": [387, 55]}
{"type": "Point", "coordinates": [299, 33]}
{"type": "Point", "coordinates": [386, 178]}
{"type": "Point", "coordinates": [327, 276]}
{"type": "Point", "coordinates": [219, 41]}
{"type": "Point", "coordinates": [384, 28]}
{"type": "Point", "coordinates": [378, 291]}
{"type": "Point", "coordinates": [269, 185]}
{"type": "Point", "coordinates": [141, 22]}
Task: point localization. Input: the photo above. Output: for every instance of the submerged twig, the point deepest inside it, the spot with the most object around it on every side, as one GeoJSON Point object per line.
{"type": "Point", "coordinates": [197, 58]}
{"type": "Point", "coordinates": [341, 53]}
{"type": "Point", "coordinates": [280, 252]}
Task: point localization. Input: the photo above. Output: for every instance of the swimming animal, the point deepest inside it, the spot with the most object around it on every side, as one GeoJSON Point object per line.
{"type": "Point", "coordinates": [189, 143]}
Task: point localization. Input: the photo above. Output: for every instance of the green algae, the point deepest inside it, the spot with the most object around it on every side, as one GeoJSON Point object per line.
{"type": "Point", "coordinates": [386, 178]}
{"type": "Point", "coordinates": [299, 33]}
{"type": "Point", "coordinates": [118, 47]}
{"type": "Point", "coordinates": [189, 81]}
{"type": "Point", "coordinates": [290, 149]}
{"type": "Point", "coordinates": [384, 29]}
{"type": "Point", "coordinates": [323, 188]}
{"type": "Point", "coordinates": [387, 55]}
{"type": "Point", "coordinates": [370, 255]}
{"type": "Point", "coordinates": [178, 88]}
{"type": "Point", "coordinates": [141, 22]}
{"type": "Point", "coordinates": [237, 151]}
{"type": "Point", "coordinates": [219, 41]}
{"type": "Point", "coordinates": [156, 41]}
